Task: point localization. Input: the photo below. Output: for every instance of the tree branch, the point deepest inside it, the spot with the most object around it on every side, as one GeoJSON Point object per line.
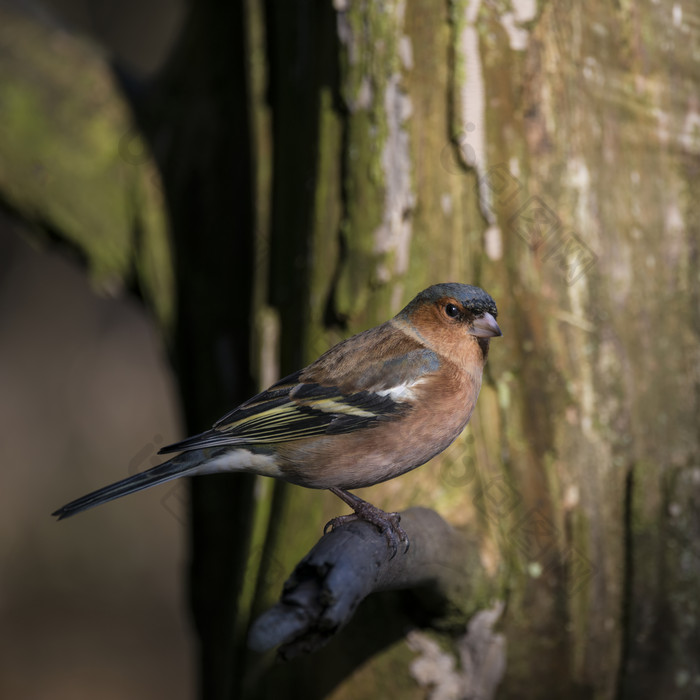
{"type": "Point", "coordinates": [354, 560]}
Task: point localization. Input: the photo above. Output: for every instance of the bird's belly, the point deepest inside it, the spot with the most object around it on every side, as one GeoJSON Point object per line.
{"type": "Point", "coordinates": [369, 456]}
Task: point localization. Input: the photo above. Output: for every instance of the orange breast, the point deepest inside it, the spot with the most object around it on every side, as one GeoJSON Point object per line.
{"type": "Point", "coordinates": [443, 406]}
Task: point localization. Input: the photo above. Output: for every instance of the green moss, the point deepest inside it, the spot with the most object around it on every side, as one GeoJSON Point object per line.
{"type": "Point", "coordinates": [62, 129]}
{"type": "Point", "coordinates": [369, 62]}
{"type": "Point", "coordinates": [458, 22]}
{"type": "Point", "coordinates": [326, 225]}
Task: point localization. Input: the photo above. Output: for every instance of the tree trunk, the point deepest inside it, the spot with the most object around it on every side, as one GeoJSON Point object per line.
{"type": "Point", "coordinates": [530, 153]}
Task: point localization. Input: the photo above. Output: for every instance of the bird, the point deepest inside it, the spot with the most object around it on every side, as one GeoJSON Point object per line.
{"type": "Point", "coordinates": [371, 408]}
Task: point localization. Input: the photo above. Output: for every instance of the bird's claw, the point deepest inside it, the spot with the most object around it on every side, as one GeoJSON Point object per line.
{"type": "Point", "coordinates": [387, 523]}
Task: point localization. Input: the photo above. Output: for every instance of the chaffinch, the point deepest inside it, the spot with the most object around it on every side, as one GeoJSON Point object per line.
{"type": "Point", "coordinates": [372, 407]}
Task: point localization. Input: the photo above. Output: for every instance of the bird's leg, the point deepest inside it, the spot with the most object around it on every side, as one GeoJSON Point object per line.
{"type": "Point", "coordinates": [387, 523]}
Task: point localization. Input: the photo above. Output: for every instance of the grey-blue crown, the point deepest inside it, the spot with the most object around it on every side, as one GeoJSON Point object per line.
{"type": "Point", "coordinates": [472, 298]}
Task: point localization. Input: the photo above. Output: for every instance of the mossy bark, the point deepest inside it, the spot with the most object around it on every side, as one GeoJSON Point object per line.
{"type": "Point", "coordinates": [547, 202]}
{"type": "Point", "coordinates": [73, 161]}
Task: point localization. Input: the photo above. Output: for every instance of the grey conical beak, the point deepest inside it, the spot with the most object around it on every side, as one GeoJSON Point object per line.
{"type": "Point", "coordinates": [485, 327]}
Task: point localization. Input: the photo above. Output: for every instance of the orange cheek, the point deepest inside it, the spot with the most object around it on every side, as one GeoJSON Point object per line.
{"type": "Point", "coordinates": [448, 338]}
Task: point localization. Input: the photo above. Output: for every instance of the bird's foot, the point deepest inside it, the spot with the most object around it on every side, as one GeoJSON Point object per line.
{"type": "Point", "coordinates": [389, 524]}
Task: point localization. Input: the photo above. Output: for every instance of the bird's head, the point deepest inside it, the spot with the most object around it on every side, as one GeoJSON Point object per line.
{"type": "Point", "coordinates": [454, 320]}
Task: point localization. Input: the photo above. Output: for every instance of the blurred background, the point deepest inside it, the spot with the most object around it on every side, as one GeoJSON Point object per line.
{"type": "Point", "coordinates": [93, 606]}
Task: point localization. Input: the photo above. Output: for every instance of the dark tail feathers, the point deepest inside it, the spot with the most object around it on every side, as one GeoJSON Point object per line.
{"type": "Point", "coordinates": [172, 469]}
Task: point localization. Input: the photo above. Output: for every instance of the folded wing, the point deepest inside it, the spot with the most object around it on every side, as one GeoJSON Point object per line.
{"type": "Point", "coordinates": [293, 409]}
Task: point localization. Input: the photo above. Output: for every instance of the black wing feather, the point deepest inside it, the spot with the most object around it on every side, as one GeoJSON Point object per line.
{"type": "Point", "coordinates": [293, 409]}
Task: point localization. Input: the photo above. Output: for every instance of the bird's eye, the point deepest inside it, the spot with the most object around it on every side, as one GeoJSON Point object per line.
{"type": "Point", "coordinates": [451, 310]}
